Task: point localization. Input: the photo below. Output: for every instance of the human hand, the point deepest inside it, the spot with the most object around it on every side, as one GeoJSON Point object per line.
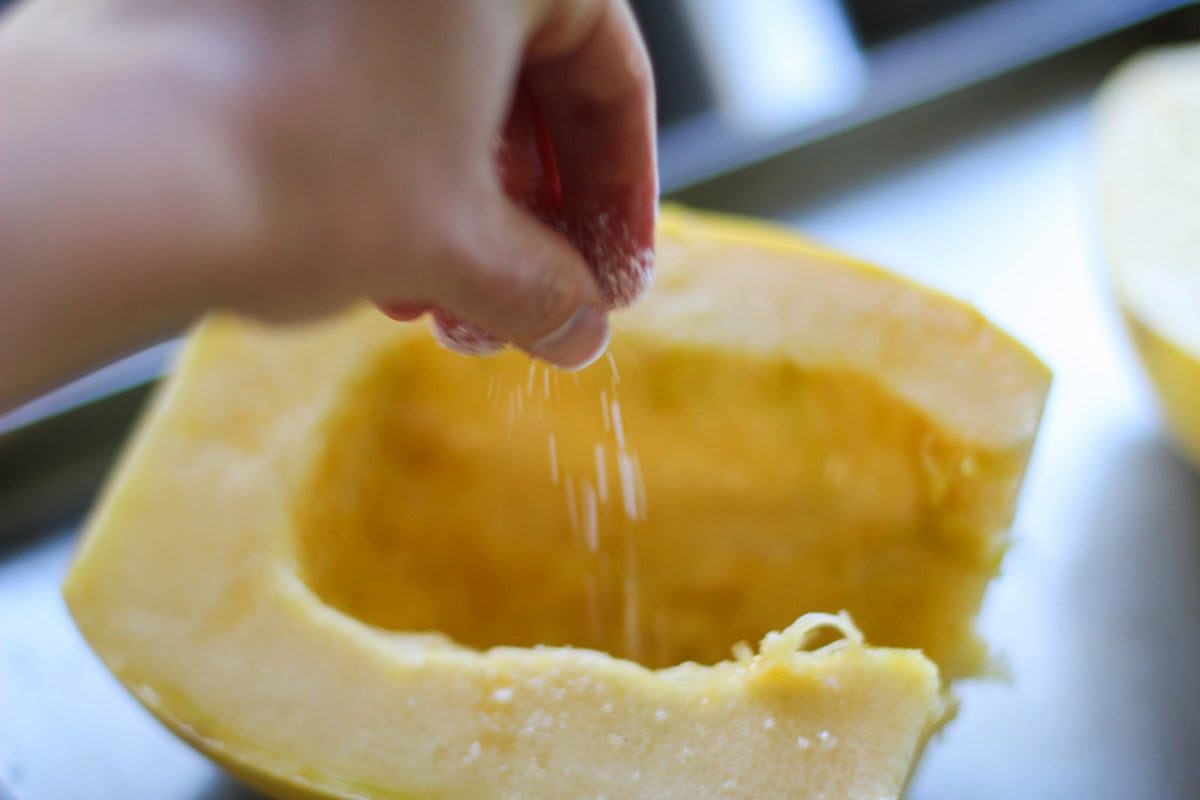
{"type": "Point", "coordinates": [286, 159]}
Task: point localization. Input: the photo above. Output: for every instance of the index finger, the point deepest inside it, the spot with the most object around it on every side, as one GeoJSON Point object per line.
{"type": "Point", "coordinates": [589, 71]}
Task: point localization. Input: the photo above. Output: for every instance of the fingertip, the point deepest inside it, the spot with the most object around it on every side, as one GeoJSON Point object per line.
{"type": "Point", "coordinates": [404, 312]}
{"type": "Point", "coordinates": [577, 343]}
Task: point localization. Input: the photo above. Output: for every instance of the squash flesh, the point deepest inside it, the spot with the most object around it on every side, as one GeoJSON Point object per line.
{"type": "Point", "coordinates": [770, 489]}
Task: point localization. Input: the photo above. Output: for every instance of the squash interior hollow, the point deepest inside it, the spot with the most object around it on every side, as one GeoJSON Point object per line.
{"type": "Point", "coordinates": [771, 490]}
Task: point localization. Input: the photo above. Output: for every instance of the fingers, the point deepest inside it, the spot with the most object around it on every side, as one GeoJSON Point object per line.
{"type": "Point", "coordinates": [591, 76]}
{"type": "Point", "coordinates": [523, 283]}
{"type": "Point", "coordinates": [576, 160]}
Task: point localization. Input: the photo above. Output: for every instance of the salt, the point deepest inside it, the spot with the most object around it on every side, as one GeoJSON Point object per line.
{"type": "Point", "coordinates": [590, 532]}
{"type": "Point", "coordinates": [601, 473]}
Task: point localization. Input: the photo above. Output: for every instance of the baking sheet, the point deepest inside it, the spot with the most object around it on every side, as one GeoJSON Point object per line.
{"type": "Point", "coordinates": [1097, 613]}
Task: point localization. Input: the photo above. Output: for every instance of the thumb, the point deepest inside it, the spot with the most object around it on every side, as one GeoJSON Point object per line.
{"type": "Point", "coordinates": [523, 283]}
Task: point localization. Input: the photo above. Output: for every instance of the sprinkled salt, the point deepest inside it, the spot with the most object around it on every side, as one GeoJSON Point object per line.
{"type": "Point", "coordinates": [625, 474]}
{"type": "Point", "coordinates": [590, 518]}
{"type": "Point", "coordinates": [601, 474]}
{"type": "Point", "coordinates": [617, 427]}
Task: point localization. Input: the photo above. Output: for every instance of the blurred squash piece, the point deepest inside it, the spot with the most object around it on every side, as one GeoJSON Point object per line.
{"type": "Point", "coordinates": [1147, 151]}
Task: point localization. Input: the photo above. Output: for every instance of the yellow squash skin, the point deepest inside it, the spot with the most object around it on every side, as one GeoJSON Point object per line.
{"type": "Point", "coordinates": [338, 559]}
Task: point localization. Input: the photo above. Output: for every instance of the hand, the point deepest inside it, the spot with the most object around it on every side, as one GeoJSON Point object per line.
{"type": "Point", "coordinates": [286, 159]}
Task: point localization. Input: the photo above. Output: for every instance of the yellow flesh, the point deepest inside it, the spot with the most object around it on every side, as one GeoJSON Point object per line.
{"type": "Point", "coordinates": [291, 485]}
{"type": "Point", "coordinates": [770, 490]}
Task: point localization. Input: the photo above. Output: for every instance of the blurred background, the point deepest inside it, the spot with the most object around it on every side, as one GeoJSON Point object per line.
{"type": "Point", "coordinates": [740, 81]}
{"type": "Point", "coordinates": [945, 139]}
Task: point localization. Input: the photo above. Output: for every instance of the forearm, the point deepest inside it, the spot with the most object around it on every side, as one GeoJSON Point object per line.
{"type": "Point", "coordinates": [116, 200]}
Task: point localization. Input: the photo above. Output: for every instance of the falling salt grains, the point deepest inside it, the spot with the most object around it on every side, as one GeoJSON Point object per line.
{"type": "Point", "coordinates": [601, 474]}
{"type": "Point", "coordinates": [590, 518]}
{"type": "Point", "coordinates": [546, 384]}
{"type": "Point", "coordinates": [604, 410]}
{"type": "Point", "coordinates": [617, 427]}
{"type": "Point", "coordinates": [612, 362]}
{"type": "Point", "coordinates": [629, 489]}
{"type": "Point", "coordinates": [520, 400]}
{"type": "Point", "coordinates": [529, 382]}
{"type": "Point", "coordinates": [491, 390]}
{"type": "Point", "coordinates": [553, 460]}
